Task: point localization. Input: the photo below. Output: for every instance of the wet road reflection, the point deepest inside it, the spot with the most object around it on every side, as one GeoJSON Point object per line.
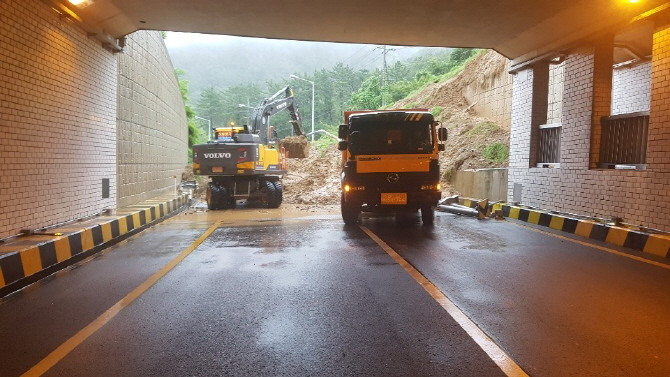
{"type": "Point", "coordinates": [293, 292]}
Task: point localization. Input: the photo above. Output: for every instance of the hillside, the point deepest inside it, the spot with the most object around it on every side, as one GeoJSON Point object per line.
{"type": "Point", "coordinates": [224, 61]}
{"type": "Point", "coordinates": [472, 135]}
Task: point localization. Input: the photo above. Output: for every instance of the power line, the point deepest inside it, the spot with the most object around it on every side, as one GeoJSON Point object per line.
{"type": "Point", "coordinates": [354, 54]}
{"type": "Point", "coordinates": [364, 57]}
{"type": "Point", "coordinates": [374, 59]}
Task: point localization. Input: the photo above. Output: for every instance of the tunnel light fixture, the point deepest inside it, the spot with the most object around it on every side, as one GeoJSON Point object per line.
{"type": "Point", "coordinates": [80, 3]}
{"type": "Point", "coordinates": [651, 12]}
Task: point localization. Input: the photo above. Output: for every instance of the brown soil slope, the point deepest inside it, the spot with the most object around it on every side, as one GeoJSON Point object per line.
{"type": "Point", "coordinates": [316, 180]}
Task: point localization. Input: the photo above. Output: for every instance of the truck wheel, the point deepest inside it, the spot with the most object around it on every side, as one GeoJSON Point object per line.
{"type": "Point", "coordinates": [350, 212]}
{"type": "Point", "coordinates": [212, 196]}
{"type": "Point", "coordinates": [226, 200]}
{"type": "Point", "coordinates": [428, 215]}
{"type": "Point", "coordinates": [278, 194]}
{"type": "Point", "coordinates": [267, 194]}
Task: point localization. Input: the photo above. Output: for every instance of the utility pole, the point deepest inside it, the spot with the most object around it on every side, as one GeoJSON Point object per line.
{"type": "Point", "coordinates": [385, 50]}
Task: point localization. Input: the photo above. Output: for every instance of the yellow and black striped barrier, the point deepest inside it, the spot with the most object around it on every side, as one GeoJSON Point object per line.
{"type": "Point", "coordinates": [649, 243]}
{"type": "Point", "coordinates": [483, 207]}
{"type": "Point", "coordinates": [44, 251]}
{"type": "Point", "coordinates": [655, 244]}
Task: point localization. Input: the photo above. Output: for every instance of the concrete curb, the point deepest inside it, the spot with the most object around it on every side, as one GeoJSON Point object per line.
{"type": "Point", "coordinates": [26, 257]}
{"type": "Point", "coordinates": [655, 244]}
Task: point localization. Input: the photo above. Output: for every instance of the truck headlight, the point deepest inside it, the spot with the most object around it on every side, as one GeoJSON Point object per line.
{"type": "Point", "coordinates": [435, 187]}
{"type": "Point", "coordinates": [349, 188]}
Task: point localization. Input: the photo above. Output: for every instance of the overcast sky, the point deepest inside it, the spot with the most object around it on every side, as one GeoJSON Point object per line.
{"type": "Point", "coordinates": [175, 39]}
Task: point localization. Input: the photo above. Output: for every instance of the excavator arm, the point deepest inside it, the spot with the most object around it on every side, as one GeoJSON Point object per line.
{"type": "Point", "coordinates": [271, 106]}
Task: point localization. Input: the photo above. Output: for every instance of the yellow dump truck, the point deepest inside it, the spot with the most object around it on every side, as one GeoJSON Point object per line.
{"type": "Point", "coordinates": [390, 163]}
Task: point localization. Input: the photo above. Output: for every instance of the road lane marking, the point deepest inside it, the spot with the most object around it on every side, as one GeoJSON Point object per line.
{"type": "Point", "coordinates": [495, 353]}
{"type": "Point", "coordinates": [64, 349]}
{"type": "Point", "coordinates": [603, 248]}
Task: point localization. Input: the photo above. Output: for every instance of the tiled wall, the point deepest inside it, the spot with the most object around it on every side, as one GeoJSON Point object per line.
{"type": "Point", "coordinates": [57, 119]}
{"type": "Point", "coordinates": [152, 129]}
{"type": "Point", "coordinates": [639, 197]}
{"type": "Point", "coordinates": [555, 101]}
{"type": "Point", "coordinates": [631, 89]}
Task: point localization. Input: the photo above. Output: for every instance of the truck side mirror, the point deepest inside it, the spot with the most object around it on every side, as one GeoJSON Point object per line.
{"type": "Point", "coordinates": [342, 132]}
{"type": "Point", "coordinates": [442, 134]}
{"type": "Point", "coordinates": [342, 145]}
{"type": "Point", "coordinates": [354, 139]}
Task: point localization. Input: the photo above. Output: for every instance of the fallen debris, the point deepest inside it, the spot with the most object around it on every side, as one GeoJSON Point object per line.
{"type": "Point", "coordinates": [296, 146]}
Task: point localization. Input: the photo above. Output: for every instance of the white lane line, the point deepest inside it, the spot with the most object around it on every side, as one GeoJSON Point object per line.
{"type": "Point", "coordinates": [495, 353]}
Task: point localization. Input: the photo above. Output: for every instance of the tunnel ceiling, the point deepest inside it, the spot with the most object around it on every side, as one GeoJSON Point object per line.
{"type": "Point", "coordinates": [518, 29]}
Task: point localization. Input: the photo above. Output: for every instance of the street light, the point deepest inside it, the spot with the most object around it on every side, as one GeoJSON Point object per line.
{"type": "Point", "coordinates": [312, 82]}
{"type": "Point", "coordinates": [209, 127]}
{"type": "Point", "coordinates": [250, 109]}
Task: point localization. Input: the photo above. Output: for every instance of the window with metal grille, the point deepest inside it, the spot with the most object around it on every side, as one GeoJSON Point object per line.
{"type": "Point", "coordinates": [549, 146]}
{"type": "Point", "coordinates": [623, 141]}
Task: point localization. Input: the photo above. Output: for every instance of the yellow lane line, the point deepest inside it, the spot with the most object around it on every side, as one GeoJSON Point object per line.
{"type": "Point", "coordinates": [495, 353]}
{"type": "Point", "coordinates": [64, 349]}
{"type": "Point", "coordinates": [603, 248]}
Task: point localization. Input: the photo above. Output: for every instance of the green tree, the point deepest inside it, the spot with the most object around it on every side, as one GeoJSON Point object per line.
{"type": "Point", "coordinates": [238, 102]}
{"type": "Point", "coordinates": [210, 106]}
{"type": "Point", "coordinates": [195, 134]}
{"type": "Point", "coordinates": [369, 95]}
{"type": "Point", "coordinates": [460, 55]}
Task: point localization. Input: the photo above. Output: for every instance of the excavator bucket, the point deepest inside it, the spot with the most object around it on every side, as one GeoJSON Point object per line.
{"type": "Point", "coordinates": [296, 146]}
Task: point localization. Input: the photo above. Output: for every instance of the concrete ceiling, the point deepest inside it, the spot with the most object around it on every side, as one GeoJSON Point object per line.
{"type": "Point", "coordinates": [518, 29]}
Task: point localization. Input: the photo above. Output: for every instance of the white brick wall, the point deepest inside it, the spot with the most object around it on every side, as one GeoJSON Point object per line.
{"type": "Point", "coordinates": [152, 130]}
{"type": "Point", "coordinates": [639, 197]}
{"type": "Point", "coordinates": [57, 117]}
{"type": "Point", "coordinates": [519, 155]}
{"type": "Point", "coordinates": [555, 101]}
{"type": "Point", "coordinates": [631, 89]}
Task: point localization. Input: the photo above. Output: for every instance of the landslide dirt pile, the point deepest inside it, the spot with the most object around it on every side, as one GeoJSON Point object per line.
{"type": "Point", "coordinates": [296, 146]}
{"type": "Point", "coordinates": [201, 191]}
{"type": "Point", "coordinates": [314, 180]}
{"type": "Point", "coordinates": [470, 135]}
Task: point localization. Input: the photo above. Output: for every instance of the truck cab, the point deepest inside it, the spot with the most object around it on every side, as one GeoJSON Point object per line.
{"type": "Point", "coordinates": [390, 163]}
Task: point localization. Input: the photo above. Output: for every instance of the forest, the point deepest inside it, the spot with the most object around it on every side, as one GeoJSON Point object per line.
{"type": "Point", "coordinates": [335, 90]}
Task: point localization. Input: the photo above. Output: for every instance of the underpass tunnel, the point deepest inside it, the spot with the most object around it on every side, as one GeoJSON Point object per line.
{"type": "Point", "coordinates": [93, 118]}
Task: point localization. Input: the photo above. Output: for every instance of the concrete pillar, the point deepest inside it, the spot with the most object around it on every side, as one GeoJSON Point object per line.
{"type": "Point", "coordinates": [529, 110]}
{"type": "Point", "coordinates": [658, 155]}
{"type": "Point", "coordinates": [602, 92]}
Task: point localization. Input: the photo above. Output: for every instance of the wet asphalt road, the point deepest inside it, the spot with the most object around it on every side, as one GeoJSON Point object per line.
{"type": "Point", "coordinates": [271, 294]}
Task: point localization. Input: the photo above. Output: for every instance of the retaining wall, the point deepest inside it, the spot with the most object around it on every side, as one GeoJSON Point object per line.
{"type": "Point", "coordinates": [482, 183]}
{"type": "Point", "coordinates": [151, 120]}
